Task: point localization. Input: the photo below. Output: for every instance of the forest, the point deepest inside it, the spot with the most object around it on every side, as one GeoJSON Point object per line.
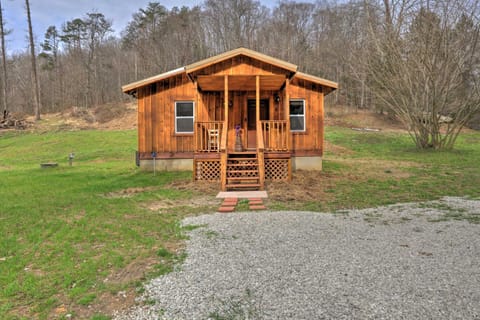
{"type": "Point", "coordinates": [418, 59]}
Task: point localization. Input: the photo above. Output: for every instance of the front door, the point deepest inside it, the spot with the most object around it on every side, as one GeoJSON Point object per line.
{"type": "Point", "coordinates": [252, 120]}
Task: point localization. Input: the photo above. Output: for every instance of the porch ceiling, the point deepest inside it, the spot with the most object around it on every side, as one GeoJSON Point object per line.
{"type": "Point", "coordinates": [240, 82]}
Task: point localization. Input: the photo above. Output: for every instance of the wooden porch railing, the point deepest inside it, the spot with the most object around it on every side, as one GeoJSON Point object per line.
{"type": "Point", "coordinates": [275, 135]}
{"type": "Point", "coordinates": [260, 156]}
{"type": "Point", "coordinates": [207, 136]}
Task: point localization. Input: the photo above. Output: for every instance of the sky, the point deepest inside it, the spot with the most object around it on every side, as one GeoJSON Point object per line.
{"type": "Point", "coordinates": [55, 12]}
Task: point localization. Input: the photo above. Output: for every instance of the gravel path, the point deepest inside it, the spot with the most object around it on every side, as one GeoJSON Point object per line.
{"type": "Point", "coordinates": [394, 262]}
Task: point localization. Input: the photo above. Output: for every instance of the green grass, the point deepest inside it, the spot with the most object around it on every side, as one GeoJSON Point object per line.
{"type": "Point", "coordinates": [62, 235]}
{"type": "Point", "coordinates": [379, 168]}
{"type": "Point", "coordinates": [428, 174]}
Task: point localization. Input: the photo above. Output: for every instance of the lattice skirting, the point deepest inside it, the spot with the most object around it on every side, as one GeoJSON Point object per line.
{"type": "Point", "coordinates": [277, 169]}
{"type": "Point", "coordinates": [207, 170]}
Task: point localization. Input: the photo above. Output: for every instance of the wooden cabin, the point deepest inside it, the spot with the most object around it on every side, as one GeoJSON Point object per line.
{"type": "Point", "coordinates": [239, 118]}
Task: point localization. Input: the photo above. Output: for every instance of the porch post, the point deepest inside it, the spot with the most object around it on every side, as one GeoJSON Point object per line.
{"type": "Point", "coordinates": [287, 117]}
{"type": "Point", "coordinates": [196, 133]}
{"type": "Point", "coordinates": [225, 102]}
{"type": "Point", "coordinates": [257, 99]}
{"type": "Point", "coordinates": [224, 141]}
{"type": "Point", "coordinates": [287, 112]}
{"type": "Point", "coordinates": [260, 145]}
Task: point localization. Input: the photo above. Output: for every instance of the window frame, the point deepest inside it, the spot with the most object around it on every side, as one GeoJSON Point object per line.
{"type": "Point", "coordinates": [298, 116]}
{"type": "Point", "coordinates": [185, 117]}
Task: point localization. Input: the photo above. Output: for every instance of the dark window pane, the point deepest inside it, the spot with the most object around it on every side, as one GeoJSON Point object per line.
{"type": "Point", "coordinates": [184, 109]}
{"type": "Point", "coordinates": [296, 107]}
{"type": "Point", "coordinates": [297, 123]}
{"type": "Point", "coordinates": [185, 125]}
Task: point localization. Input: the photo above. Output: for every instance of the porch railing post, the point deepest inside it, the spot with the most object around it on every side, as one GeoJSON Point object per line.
{"type": "Point", "coordinates": [287, 113]}
{"type": "Point", "coordinates": [224, 137]}
{"type": "Point", "coordinates": [260, 142]}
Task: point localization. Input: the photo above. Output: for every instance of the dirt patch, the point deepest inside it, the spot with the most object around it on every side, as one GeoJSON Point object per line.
{"type": "Point", "coordinates": [109, 112]}
{"type": "Point", "coordinates": [193, 202]}
{"type": "Point", "coordinates": [135, 270]}
{"type": "Point", "coordinates": [117, 116]}
{"type": "Point", "coordinates": [309, 186]}
{"type": "Point", "coordinates": [305, 186]}
{"type": "Point", "coordinates": [203, 195]}
{"type": "Point", "coordinates": [36, 272]}
{"type": "Point", "coordinates": [129, 192]}
{"type": "Point", "coordinates": [127, 121]}
{"type": "Point", "coordinates": [350, 117]}
{"type": "Point", "coordinates": [197, 187]}
{"type": "Point", "coordinates": [107, 303]}
{"type": "Point", "coordinates": [336, 149]}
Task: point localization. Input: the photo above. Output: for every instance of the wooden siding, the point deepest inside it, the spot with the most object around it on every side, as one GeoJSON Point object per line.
{"type": "Point", "coordinates": [156, 108]}
{"type": "Point", "coordinates": [309, 142]}
{"type": "Point", "coordinates": [156, 116]}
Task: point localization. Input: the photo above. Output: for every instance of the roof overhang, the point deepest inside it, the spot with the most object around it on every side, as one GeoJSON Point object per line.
{"type": "Point", "coordinates": [329, 85]}
{"type": "Point", "coordinates": [145, 82]}
{"type": "Point", "coordinates": [240, 82]}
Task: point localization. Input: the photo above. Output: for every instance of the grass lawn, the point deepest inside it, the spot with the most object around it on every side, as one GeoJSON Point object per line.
{"type": "Point", "coordinates": [390, 169]}
{"type": "Point", "coordinates": [73, 237]}
{"type": "Point", "coordinates": [63, 233]}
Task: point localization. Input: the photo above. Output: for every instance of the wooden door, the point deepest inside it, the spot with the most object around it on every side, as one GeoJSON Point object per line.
{"type": "Point", "coordinates": [252, 120]}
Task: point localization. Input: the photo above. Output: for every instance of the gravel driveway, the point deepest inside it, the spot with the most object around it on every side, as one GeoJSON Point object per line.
{"type": "Point", "coordinates": [408, 261]}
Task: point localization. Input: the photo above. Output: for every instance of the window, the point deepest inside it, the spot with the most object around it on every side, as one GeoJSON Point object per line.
{"type": "Point", "coordinates": [184, 112]}
{"type": "Point", "coordinates": [297, 115]}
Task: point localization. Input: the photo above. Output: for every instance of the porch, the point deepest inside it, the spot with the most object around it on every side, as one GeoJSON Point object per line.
{"type": "Point", "coordinates": [249, 141]}
{"type": "Point", "coordinates": [242, 168]}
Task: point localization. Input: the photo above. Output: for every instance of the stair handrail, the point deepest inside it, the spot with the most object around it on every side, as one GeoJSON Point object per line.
{"type": "Point", "coordinates": [223, 156]}
{"type": "Point", "coordinates": [260, 155]}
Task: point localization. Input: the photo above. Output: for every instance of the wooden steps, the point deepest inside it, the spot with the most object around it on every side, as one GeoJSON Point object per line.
{"type": "Point", "coordinates": [242, 171]}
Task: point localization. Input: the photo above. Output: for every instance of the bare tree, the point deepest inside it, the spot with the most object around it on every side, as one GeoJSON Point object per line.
{"type": "Point", "coordinates": [34, 78]}
{"type": "Point", "coordinates": [428, 73]}
{"type": "Point", "coordinates": [230, 24]}
{"type": "Point", "coordinates": [4, 65]}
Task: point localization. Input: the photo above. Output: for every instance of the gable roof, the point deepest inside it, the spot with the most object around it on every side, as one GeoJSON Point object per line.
{"type": "Point", "coordinates": [237, 52]}
{"type": "Point", "coordinates": [131, 87]}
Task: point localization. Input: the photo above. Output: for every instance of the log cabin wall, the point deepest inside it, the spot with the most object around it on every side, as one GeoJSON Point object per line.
{"type": "Point", "coordinates": [156, 118]}
{"type": "Point", "coordinates": [310, 142]}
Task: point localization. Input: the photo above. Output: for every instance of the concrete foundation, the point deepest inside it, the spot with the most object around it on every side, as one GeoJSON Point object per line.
{"type": "Point", "coordinates": [298, 163]}
{"type": "Point", "coordinates": [307, 163]}
{"type": "Point", "coordinates": [167, 165]}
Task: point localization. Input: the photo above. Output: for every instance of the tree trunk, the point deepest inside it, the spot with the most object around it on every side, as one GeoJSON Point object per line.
{"type": "Point", "coordinates": [34, 78]}
{"type": "Point", "coordinates": [4, 65]}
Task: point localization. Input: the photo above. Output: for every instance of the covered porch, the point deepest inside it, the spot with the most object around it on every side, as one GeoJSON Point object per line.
{"type": "Point", "coordinates": [248, 140]}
